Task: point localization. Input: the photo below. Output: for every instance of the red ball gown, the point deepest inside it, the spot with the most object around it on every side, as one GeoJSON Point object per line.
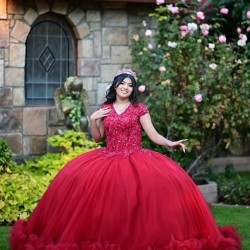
{"type": "Point", "coordinates": [122, 197]}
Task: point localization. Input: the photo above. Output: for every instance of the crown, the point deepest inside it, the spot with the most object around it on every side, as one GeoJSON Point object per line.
{"type": "Point", "coordinates": [127, 71]}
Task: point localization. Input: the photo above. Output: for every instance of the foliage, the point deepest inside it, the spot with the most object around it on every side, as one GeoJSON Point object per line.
{"type": "Point", "coordinates": [5, 156]}
{"type": "Point", "coordinates": [238, 11]}
{"type": "Point", "coordinates": [72, 103]}
{"type": "Point", "coordinates": [232, 188]}
{"type": "Point", "coordinates": [197, 84]}
{"type": "Point", "coordinates": [19, 195]}
{"type": "Point", "coordinates": [23, 186]}
{"type": "Point", "coordinates": [75, 113]}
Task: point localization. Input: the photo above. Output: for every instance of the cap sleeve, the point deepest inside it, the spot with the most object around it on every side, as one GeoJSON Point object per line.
{"type": "Point", "coordinates": [105, 106]}
{"type": "Point", "coordinates": [142, 109]}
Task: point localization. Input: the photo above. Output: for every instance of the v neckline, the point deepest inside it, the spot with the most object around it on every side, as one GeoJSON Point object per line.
{"type": "Point", "coordinates": [122, 111]}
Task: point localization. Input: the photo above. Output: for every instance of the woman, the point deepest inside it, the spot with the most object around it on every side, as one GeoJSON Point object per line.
{"type": "Point", "coordinates": [122, 196]}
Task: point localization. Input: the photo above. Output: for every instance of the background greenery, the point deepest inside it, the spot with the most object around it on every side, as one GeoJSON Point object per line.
{"type": "Point", "coordinates": [176, 67]}
{"type": "Point", "coordinates": [21, 187]}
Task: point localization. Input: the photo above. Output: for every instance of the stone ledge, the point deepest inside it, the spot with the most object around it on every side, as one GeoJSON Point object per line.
{"type": "Point", "coordinates": [241, 163]}
{"type": "Point", "coordinates": [209, 191]}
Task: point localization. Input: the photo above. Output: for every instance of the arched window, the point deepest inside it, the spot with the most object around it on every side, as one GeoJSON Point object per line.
{"type": "Point", "coordinates": [50, 59]}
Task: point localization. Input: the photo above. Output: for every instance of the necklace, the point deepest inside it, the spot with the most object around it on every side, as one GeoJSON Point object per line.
{"type": "Point", "coordinates": [121, 109]}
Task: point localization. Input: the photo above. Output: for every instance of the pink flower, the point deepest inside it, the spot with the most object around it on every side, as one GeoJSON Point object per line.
{"type": "Point", "coordinates": [172, 44]}
{"type": "Point", "coordinates": [205, 26]}
{"type": "Point", "coordinates": [248, 29]}
{"type": "Point", "coordinates": [243, 36]}
{"type": "Point", "coordinates": [150, 46]}
{"type": "Point", "coordinates": [184, 27]}
{"type": "Point", "coordinates": [248, 14]}
{"type": "Point", "coordinates": [158, 2]}
{"type": "Point", "coordinates": [148, 33]}
{"type": "Point", "coordinates": [205, 32]}
{"type": "Point", "coordinates": [239, 30]}
{"type": "Point", "coordinates": [213, 66]}
{"type": "Point", "coordinates": [142, 88]}
{"type": "Point", "coordinates": [162, 69]}
{"type": "Point", "coordinates": [184, 33]}
{"type": "Point", "coordinates": [224, 11]}
{"type": "Point", "coordinates": [200, 15]}
{"type": "Point", "coordinates": [198, 97]}
{"type": "Point", "coordinates": [192, 27]}
{"type": "Point", "coordinates": [172, 9]}
{"type": "Point", "coordinates": [222, 39]}
{"type": "Point", "coordinates": [211, 46]}
{"type": "Point", "coordinates": [241, 42]}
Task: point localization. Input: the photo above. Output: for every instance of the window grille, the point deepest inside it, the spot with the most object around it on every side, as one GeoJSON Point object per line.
{"type": "Point", "coordinates": [50, 59]}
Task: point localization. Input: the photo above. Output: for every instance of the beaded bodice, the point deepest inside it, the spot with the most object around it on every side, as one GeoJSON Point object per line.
{"type": "Point", "coordinates": [123, 131]}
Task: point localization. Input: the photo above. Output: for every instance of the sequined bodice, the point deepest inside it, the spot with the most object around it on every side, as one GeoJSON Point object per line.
{"type": "Point", "coordinates": [123, 131]}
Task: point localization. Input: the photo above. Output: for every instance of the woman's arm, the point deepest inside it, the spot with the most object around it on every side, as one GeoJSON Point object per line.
{"type": "Point", "coordinates": [154, 136]}
{"type": "Point", "coordinates": [96, 124]}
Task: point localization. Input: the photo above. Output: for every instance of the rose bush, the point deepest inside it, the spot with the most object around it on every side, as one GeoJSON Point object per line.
{"type": "Point", "coordinates": [197, 81]}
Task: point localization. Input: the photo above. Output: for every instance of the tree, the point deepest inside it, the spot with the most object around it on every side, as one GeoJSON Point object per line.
{"type": "Point", "coordinates": [197, 82]}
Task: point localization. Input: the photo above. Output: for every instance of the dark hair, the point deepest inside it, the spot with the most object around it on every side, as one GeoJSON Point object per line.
{"type": "Point", "coordinates": [111, 93]}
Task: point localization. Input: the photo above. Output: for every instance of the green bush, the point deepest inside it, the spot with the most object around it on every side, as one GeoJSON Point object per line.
{"type": "Point", "coordinates": [24, 185]}
{"type": "Point", "coordinates": [19, 194]}
{"type": "Point", "coordinates": [232, 189]}
{"type": "Point", "coordinates": [5, 156]}
{"type": "Point", "coordinates": [197, 83]}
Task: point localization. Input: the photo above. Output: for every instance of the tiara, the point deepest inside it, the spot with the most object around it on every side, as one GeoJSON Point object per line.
{"type": "Point", "coordinates": [127, 71]}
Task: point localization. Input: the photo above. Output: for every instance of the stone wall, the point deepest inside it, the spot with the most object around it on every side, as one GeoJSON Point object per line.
{"type": "Point", "coordinates": [103, 31]}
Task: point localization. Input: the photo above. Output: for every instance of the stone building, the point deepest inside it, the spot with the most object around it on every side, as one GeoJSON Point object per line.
{"type": "Point", "coordinates": [44, 42]}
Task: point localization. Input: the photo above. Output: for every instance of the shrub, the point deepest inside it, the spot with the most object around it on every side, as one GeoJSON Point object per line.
{"type": "Point", "coordinates": [5, 156]}
{"type": "Point", "coordinates": [24, 185]}
{"type": "Point", "coordinates": [19, 194]}
{"type": "Point", "coordinates": [197, 83]}
{"type": "Point", "coordinates": [232, 189]}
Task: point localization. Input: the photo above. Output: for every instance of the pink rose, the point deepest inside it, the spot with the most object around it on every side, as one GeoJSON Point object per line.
{"type": "Point", "coordinates": [184, 33]}
{"type": "Point", "coordinates": [162, 69]}
{"type": "Point", "coordinates": [172, 9]}
{"type": "Point", "coordinates": [198, 97]}
{"type": "Point", "coordinates": [184, 27]}
{"type": "Point", "coordinates": [150, 46]}
{"type": "Point", "coordinates": [158, 2]}
{"type": "Point", "coordinates": [248, 29]}
{"type": "Point", "coordinates": [205, 32]}
{"type": "Point", "coordinates": [148, 33]}
{"type": "Point", "coordinates": [222, 39]}
{"type": "Point", "coordinates": [243, 36]}
{"type": "Point", "coordinates": [239, 30]}
{"type": "Point", "coordinates": [200, 15]}
{"type": "Point", "coordinates": [142, 88]}
{"type": "Point", "coordinates": [224, 11]}
{"type": "Point", "coordinates": [248, 14]}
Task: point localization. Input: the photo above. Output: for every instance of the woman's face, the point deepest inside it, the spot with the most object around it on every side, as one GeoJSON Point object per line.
{"type": "Point", "coordinates": [125, 89]}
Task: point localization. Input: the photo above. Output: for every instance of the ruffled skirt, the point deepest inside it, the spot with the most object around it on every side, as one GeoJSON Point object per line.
{"type": "Point", "coordinates": [140, 201]}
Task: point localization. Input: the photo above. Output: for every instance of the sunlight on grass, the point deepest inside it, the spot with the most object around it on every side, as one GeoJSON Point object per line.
{"type": "Point", "coordinates": [238, 216]}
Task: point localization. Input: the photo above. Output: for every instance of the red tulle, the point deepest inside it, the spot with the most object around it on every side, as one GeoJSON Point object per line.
{"type": "Point", "coordinates": [122, 197]}
{"type": "Point", "coordinates": [229, 240]}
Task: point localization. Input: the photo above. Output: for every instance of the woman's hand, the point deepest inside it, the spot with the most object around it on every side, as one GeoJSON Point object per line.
{"type": "Point", "coordinates": [174, 144]}
{"type": "Point", "coordinates": [96, 124]}
{"type": "Point", "coordinates": [100, 114]}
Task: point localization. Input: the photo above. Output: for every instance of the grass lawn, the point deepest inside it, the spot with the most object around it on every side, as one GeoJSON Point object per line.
{"type": "Point", "coordinates": [235, 215]}
{"type": "Point", "coordinates": [4, 241]}
{"type": "Point", "coordinates": [229, 215]}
